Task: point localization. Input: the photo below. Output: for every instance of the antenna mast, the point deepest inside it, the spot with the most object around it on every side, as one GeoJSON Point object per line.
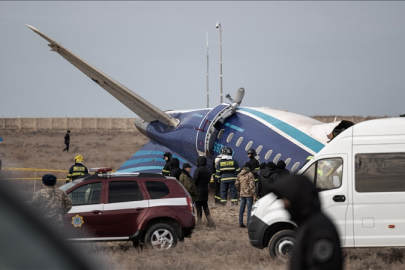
{"type": "Point", "coordinates": [218, 25]}
{"type": "Point", "coordinates": [208, 87]}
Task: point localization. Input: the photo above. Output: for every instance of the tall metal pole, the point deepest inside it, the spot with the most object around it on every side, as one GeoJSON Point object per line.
{"type": "Point", "coordinates": [220, 55]}
{"type": "Point", "coordinates": [208, 87]}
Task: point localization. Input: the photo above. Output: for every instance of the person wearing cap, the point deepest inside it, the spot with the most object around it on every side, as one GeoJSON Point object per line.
{"type": "Point", "coordinates": [245, 184]}
{"type": "Point", "coordinates": [51, 202]}
{"type": "Point", "coordinates": [187, 182]}
{"type": "Point", "coordinates": [201, 177]}
{"type": "Point", "coordinates": [67, 141]}
{"type": "Point", "coordinates": [167, 156]}
{"type": "Point", "coordinates": [317, 243]}
{"type": "Point", "coordinates": [254, 163]}
{"type": "Point", "coordinates": [77, 169]}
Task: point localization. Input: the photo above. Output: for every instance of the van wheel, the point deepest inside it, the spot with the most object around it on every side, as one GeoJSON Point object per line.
{"type": "Point", "coordinates": [281, 245]}
{"type": "Point", "coordinates": [161, 237]}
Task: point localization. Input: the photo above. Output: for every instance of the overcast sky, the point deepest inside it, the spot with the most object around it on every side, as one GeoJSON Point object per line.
{"type": "Point", "coordinates": [312, 58]}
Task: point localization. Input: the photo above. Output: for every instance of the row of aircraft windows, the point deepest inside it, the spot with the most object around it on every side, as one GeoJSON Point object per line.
{"type": "Point", "coordinates": [258, 149]}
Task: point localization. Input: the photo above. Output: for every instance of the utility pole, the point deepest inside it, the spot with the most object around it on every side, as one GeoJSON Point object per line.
{"type": "Point", "coordinates": [208, 87]}
{"type": "Point", "coordinates": [218, 25]}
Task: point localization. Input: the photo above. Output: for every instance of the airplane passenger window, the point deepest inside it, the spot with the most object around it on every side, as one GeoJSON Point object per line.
{"type": "Point", "coordinates": [287, 161]}
{"type": "Point", "coordinates": [220, 133]}
{"type": "Point", "coordinates": [229, 138]}
{"type": "Point", "coordinates": [276, 158]}
{"type": "Point", "coordinates": [295, 166]}
{"type": "Point", "coordinates": [258, 149]}
{"type": "Point", "coordinates": [248, 145]}
{"type": "Point", "coordinates": [239, 141]}
{"type": "Point", "coordinates": [268, 154]}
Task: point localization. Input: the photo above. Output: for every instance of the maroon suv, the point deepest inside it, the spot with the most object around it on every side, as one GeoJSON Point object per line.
{"type": "Point", "coordinates": [141, 207]}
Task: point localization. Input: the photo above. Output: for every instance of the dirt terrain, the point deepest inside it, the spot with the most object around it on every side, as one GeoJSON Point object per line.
{"type": "Point", "coordinates": [224, 247]}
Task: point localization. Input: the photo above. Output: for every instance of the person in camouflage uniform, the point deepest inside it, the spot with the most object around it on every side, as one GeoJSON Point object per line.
{"type": "Point", "coordinates": [245, 184]}
{"type": "Point", "coordinates": [187, 182]}
{"type": "Point", "coordinates": [51, 202]}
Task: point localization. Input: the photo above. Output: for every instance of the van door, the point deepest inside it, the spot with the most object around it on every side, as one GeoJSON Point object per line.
{"type": "Point", "coordinates": [330, 179]}
{"type": "Point", "coordinates": [379, 195]}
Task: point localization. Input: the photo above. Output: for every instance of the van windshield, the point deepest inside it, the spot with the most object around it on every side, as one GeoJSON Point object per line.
{"type": "Point", "coordinates": [326, 173]}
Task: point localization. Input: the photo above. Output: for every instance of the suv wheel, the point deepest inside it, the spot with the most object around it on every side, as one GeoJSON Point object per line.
{"type": "Point", "coordinates": [161, 237]}
{"type": "Point", "coordinates": [281, 245]}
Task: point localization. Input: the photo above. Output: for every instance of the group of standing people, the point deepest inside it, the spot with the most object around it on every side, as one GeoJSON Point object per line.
{"type": "Point", "coordinates": [252, 181]}
{"type": "Point", "coordinates": [255, 181]}
{"type": "Point", "coordinates": [197, 185]}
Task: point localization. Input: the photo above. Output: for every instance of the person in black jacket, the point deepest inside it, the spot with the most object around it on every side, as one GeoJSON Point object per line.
{"type": "Point", "coordinates": [67, 141]}
{"type": "Point", "coordinates": [281, 170]}
{"type": "Point", "coordinates": [201, 177]}
{"type": "Point", "coordinates": [175, 170]}
{"type": "Point", "coordinates": [267, 178]}
{"type": "Point", "coordinates": [166, 169]}
{"type": "Point", "coordinates": [254, 164]}
{"type": "Point", "coordinates": [317, 244]}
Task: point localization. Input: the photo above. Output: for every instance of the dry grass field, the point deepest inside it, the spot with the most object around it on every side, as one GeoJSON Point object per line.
{"type": "Point", "coordinates": [224, 247]}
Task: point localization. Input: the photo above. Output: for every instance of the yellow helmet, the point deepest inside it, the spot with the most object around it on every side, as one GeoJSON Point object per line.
{"type": "Point", "coordinates": [79, 158]}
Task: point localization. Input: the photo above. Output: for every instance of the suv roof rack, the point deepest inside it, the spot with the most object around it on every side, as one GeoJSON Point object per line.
{"type": "Point", "coordinates": [122, 174]}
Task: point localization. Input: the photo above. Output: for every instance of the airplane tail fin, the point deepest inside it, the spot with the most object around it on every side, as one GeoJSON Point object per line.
{"type": "Point", "coordinates": [134, 102]}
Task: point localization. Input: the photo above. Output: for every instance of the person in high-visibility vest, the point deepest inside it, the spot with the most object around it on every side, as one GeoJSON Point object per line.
{"type": "Point", "coordinates": [217, 184]}
{"type": "Point", "coordinates": [78, 169]}
{"type": "Point", "coordinates": [227, 170]}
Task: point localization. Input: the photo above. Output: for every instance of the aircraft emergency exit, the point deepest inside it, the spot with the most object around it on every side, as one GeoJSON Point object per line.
{"type": "Point", "coordinates": [187, 134]}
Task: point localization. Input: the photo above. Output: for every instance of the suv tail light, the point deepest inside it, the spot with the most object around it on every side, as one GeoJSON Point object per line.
{"type": "Point", "coordinates": [190, 203]}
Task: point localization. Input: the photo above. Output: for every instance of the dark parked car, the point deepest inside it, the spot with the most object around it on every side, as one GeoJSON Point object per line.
{"type": "Point", "coordinates": [148, 209]}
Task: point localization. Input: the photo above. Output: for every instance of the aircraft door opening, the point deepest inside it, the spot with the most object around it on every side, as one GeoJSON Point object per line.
{"type": "Point", "coordinates": [210, 127]}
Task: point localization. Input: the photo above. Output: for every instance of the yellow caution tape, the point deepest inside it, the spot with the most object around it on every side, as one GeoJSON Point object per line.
{"type": "Point", "coordinates": [32, 169]}
{"type": "Point", "coordinates": [33, 178]}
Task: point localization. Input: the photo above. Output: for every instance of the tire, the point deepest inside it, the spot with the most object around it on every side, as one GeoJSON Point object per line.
{"type": "Point", "coordinates": [281, 245]}
{"type": "Point", "coordinates": [161, 237]}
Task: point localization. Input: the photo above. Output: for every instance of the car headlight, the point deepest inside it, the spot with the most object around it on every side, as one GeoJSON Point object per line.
{"type": "Point", "coordinates": [254, 207]}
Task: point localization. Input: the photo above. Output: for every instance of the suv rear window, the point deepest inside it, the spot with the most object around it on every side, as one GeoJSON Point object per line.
{"type": "Point", "coordinates": [124, 192]}
{"type": "Point", "coordinates": [157, 189]}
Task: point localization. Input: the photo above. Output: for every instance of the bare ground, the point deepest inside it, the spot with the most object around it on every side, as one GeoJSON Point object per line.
{"type": "Point", "coordinates": [224, 247]}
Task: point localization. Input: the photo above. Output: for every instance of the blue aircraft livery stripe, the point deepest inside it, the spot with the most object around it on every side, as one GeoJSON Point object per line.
{"type": "Point", "coordinates": [148, 168]}
{"type": "Point", "coordinates": [295, 133]}
{"type": "Point", "coordinates": [154, 152]}
{"type": "Point", "coordinates": [138, 159]}
{"type": "Point", "coordinates": [148, 159]}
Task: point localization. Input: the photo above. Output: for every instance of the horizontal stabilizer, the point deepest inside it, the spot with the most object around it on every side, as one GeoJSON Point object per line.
{"type": "Point", "coordinates": [149, 159]}
{"type": "Point", "coordinates": [134, 102]}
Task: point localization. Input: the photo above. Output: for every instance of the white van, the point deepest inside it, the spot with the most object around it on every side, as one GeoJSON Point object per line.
{"type": "Point", "coordinates": [361, 178]}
